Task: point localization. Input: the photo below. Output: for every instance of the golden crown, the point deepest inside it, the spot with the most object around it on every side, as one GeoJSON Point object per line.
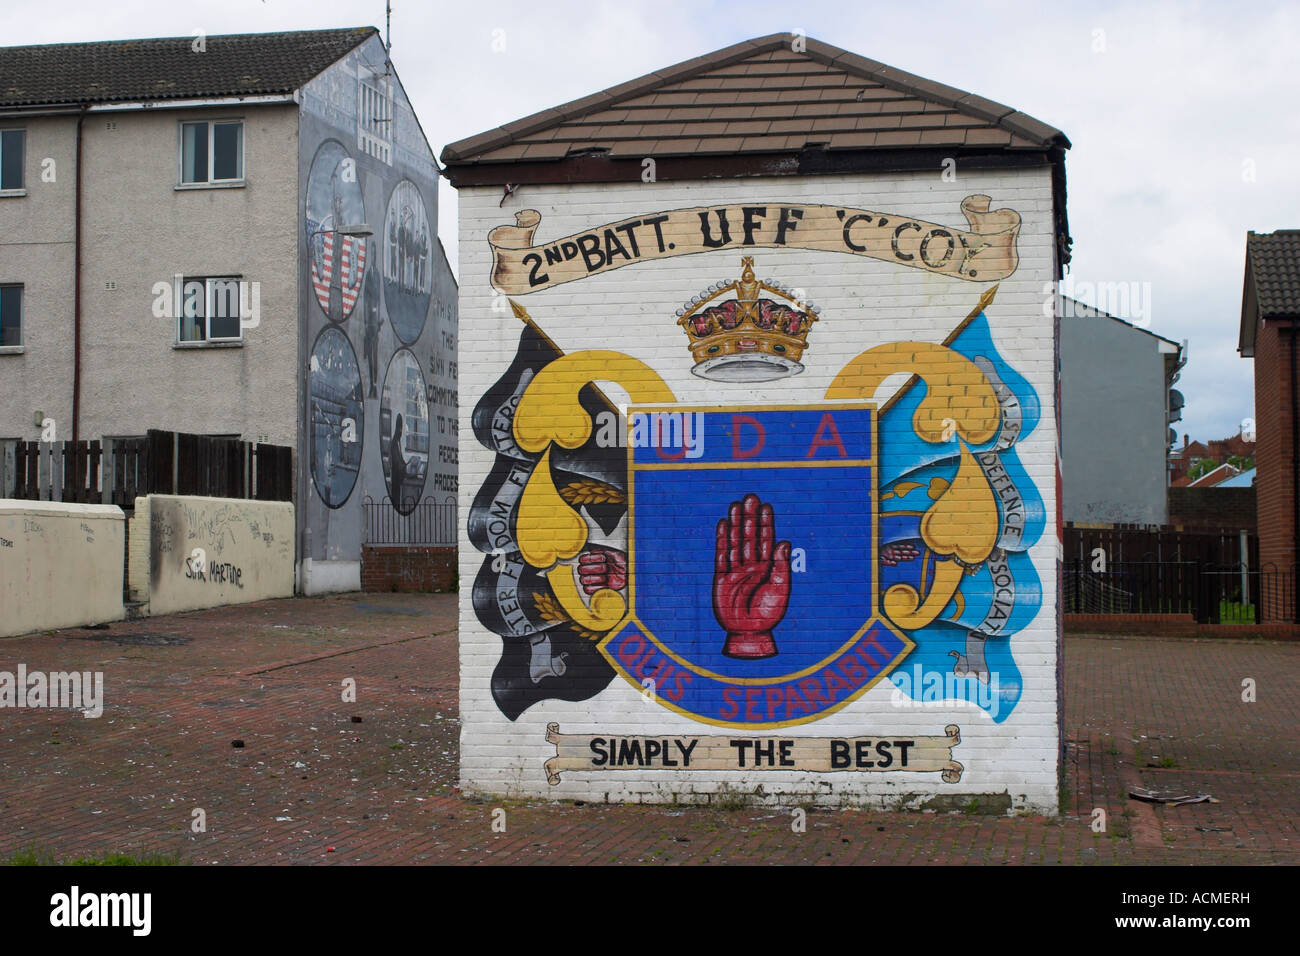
{"type": "Point", "coordinates": [736, 335]}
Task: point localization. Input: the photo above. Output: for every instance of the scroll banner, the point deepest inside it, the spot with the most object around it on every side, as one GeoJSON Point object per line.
{"type": "Point", "coordinates": [986, 253]}
{"type": "Point", "coordinates": [597, 753]}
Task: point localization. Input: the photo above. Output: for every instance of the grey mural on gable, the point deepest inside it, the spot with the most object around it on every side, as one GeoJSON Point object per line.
{"type": "Point", "coordinates": [408, 262]}
{"type": "Point", "coordinates": [334, 204]}
{"type": "Point", "coordinates": [335, 422]}
{"type": "Point", "coordinates": [378, 338]}
{"type": "Point", "coordinates": [404, 414]}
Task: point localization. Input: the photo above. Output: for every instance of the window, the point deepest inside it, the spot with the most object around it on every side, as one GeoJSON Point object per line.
{"type": "Point", "coordinates": [11, 316]}
{"type": "Point", "coordinates": [210, 308]}
{"type": "Point", "coordinates": [375, 119]}
{"type": "Point", "coordinates": [212, 152]}
{"type": "Point", "coordinates": [12, 142]}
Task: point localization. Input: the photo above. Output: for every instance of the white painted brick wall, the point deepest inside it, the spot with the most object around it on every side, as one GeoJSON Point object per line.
{"type": "Point", "coordinates": [864, 303]}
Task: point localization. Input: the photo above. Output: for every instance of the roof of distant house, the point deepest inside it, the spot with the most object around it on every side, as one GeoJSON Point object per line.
{"type": "Point", "coordinates": [69, 74]}
{"type": "Point", "coordinates": [1232, 445]}
{"type": "Point", "coordinates": [1215, 477]}
{"type": "Point", "coordinates": [1244, 480]}
{"type": "Point", "coordinates": [1196, 449]}
{"type": "Point", "coordinates": [767, 95]}
{"type": "Point", "coordinates": [1073, 308]}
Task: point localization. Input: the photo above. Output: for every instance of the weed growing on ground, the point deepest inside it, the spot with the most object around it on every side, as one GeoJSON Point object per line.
{"type": "Point", "coordinates": [32, 857]}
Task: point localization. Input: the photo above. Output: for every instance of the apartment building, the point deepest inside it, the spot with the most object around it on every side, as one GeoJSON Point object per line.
{"type": "Point", "coordinates": [233, 235]}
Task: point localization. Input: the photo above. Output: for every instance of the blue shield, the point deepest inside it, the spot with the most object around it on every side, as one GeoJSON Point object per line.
{"type": "Point", "coordinates": [753, 562]}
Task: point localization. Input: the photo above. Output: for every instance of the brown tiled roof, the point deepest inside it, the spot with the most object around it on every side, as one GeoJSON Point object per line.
{"type": "Point", "coordinates": [169, 68]}
{"type": "Point", "coordinates": [760, 96]}
{"type": "Point", "coordinates": [1212, 478]}
{"type": "Point", "coordinates": [1274, 262]}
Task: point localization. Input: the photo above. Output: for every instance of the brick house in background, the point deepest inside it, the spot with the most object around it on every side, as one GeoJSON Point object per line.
{"type": "Point", "coordinates": [1234, 446]}
{"type": "Point", "coordinates": [1270, 322]}
{"type": "Point", "coordinates": [1220, 451]}
{"type": "Point", "coordinates": [1182, 459]}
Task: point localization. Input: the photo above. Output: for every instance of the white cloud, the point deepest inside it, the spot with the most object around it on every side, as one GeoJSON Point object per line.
{"type": "Point", "coordinates": [1161, 121]}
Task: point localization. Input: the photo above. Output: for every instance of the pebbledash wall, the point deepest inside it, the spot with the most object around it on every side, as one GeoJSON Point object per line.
{"type": "Point", "coordinates": [631, 630]}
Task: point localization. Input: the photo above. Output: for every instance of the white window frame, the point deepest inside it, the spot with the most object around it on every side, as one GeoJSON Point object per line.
{"type": "Point", "coordinates": [209, 287]}
{"type": "Point", "coordinates": [22, 319]}
{"type": "Point", "coordinates": [181, 183]}
{"type": "Point", "coordinates": [21, 188]}
{"type": "Point", "coordinates": [374, 131]}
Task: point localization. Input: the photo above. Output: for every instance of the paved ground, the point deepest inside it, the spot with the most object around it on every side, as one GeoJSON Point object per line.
{"type": "Point", "coordinates": [1155, 713]}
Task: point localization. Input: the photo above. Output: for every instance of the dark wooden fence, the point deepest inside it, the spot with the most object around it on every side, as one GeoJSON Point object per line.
{"type": "Point", "coordinates": [66, 470]}
{"type": "Point", "coordinates": [1161, 571]}
{"type": "Point", "coordinates": [129, 474]}
{"type": "Point", "coordinates": [119, 470]}
{"type": "Point", "coordinates": [1211, 593]}
{"type": "Point", "coordinates": [1160, 545]}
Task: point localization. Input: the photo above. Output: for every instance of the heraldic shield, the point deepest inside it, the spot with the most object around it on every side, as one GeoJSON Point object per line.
{"type": "Point", "coordinates": [753, 562]}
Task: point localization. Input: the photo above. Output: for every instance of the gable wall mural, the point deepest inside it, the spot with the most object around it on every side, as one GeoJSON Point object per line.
{"type": "Point", "coordinates": [378, 386]}
{"type": "Point", "coordinates": [759, 490]}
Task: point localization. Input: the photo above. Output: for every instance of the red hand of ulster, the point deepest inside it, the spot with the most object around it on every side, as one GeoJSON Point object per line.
{"type": "Point", "coordinates": [751, 579]}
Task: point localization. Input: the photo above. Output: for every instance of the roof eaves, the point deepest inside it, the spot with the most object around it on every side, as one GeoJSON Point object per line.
{"type": "Point", "coordinates": [354, 36]}
{"type": "Point", "coordinates": [1249, 319]}
{"type": "Point", "coordinates": [485, 142]}
{"type": "Point", "coordinates": [1027, 126]}
{"type": "Point", "coordinates": [529, 124]}
{"type": "Point", "coordinates": [901, 80]}
{"type": "Point", "coordinates": [719, 58]}
{"type": "Point", "coordinates": [1004, 116]}
{"type": "Point", "coordinates": [984, 107]}
{"type": "Point", "coordinates": [1027, 132]}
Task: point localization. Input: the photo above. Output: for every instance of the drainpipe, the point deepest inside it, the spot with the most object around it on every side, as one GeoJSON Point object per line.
{"type": "Point", "coordinates": [76, 291]}
{"type": "Point", "coordinates": [1295, 479]}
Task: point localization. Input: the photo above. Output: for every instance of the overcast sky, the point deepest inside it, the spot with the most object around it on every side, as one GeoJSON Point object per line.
{"type": "Point", "coordinates": [1185, 117]}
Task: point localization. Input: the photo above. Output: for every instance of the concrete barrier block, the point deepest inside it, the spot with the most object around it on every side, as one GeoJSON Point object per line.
{"type": "Point", "coordinates": [209, 552]}
{"type": "Point", "coordinates": [60, 565]}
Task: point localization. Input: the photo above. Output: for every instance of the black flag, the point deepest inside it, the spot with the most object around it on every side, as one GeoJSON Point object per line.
{"type": "Point", "coordinates": [545, 654]}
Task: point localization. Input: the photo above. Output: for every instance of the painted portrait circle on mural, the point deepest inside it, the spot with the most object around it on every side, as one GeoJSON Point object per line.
{"type": "Point", "coordinates": [335, 417]}
{"type": "Point", "coordinates": [408, 261]}
{"type": "Point", "coordinates": [404, 431]}
{"type": "Point", "coordinates": [370, 328]}
{"type": "Point", "coordinates": [334, 208]}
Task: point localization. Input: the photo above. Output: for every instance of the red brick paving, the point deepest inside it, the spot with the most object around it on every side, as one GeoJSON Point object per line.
{"type": "Point", "coordinates": [1156, 713]}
